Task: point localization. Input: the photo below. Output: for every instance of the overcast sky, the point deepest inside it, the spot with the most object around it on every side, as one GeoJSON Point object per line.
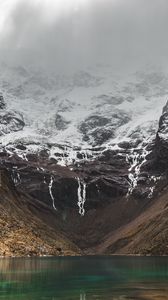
{"type": "Point", "coordinates": [73, 32]}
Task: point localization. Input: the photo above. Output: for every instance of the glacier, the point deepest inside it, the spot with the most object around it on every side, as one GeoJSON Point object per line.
{"type": "Point", "coordinates": [76, 118]}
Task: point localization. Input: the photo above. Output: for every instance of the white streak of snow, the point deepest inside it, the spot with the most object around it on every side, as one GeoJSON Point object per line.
{"type": "Point", "coordinates": [81, 196]}
{"type": "Point", "coordinates": [50, 191]}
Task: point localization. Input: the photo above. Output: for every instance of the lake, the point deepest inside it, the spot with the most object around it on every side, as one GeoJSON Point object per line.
{"type": "Point", "coordinates": [84, 278]}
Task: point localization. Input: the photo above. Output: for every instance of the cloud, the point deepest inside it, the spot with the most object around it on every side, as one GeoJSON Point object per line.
{"type": "Point", "coordinates": [68, 33]}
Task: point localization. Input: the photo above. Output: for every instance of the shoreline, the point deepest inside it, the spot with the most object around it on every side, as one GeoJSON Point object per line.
{"type": "Point", "coordinates": [84, 256]}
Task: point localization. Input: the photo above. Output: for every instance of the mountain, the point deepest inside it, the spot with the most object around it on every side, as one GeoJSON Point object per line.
{"type": "Point", "coordinates": [89, 151]}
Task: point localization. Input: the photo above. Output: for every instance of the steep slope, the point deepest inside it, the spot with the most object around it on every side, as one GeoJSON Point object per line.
{"type": "Point", "coordinates": [145, 235]}
{"type": "Point", "coordinates": [22, 232]}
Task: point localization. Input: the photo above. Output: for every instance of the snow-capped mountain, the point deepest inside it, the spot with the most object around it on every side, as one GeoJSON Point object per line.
{"type": "Point", "coordinates": [88, 109]}
{"type": "Point", "coordinates": [80, 118]}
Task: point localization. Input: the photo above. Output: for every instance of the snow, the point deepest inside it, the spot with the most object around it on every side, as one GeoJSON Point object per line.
{"type": "Point", "coordinates": [51, 193]}
{"type": "Point", "coordinates": [132, 102]}
{"type": "Point", "coordinates": [81, 196]}
{"type": "Point", "coordinates": [136, 159]}
{"type": "Point", "coordinates": [42, 97]}
{"type": "Point", "coordinates": [153, 180]}
{"type": "Point", "coordinates": [152, 189]}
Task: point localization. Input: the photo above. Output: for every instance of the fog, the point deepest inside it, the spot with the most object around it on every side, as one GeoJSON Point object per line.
{"type": "Point", "coordinates": [68, 34]}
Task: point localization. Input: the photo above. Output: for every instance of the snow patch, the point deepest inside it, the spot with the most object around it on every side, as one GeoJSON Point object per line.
{"type": "Point", "coordinates": [136, 158]}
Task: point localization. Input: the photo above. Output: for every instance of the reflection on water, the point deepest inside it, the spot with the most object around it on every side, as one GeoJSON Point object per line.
{"type": "Point", "coordinates": [83, 296]}
{"type": "Point", "coordinates": [84, 278]}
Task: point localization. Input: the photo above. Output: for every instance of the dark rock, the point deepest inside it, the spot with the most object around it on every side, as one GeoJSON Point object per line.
{"type": "Point", "coordinates": [93, 122]}
{"type": "Point", "coordinates": [141, 193]}
{"type": "Point", "coordinates": [161, 144]}
{"type": "Point", "coordinates": [2, 102]}
{"type": "Point", "coordinates": [98, 129]}
{"type": "Point", "coordinates": [141, 180]}
{"type": "Point", "coordinates": [10, 121]}
{"type": "Point", "coordinates": [125, 145]}
{"type": "Point", "coordinates": [101, 135]}
{"type": "Point", "coordinates": [61, 123]}
{"type": "Point", "coordinates": [44, 153]}
{"type": "Point", "coordinates": [105, 189]}
{"type": "Point", "coordinates": [21, 147]}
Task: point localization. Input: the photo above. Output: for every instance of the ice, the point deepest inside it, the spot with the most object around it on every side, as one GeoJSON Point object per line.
{"type": "Point", "coordinates": [81, 196]}
{"type": "Point", "coordinates": [51, 193]}
{"type": "Point", "coordinates": [136, 158]}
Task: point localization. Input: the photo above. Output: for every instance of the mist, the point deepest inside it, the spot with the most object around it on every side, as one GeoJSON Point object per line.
{"type": "Point", "coordinates": [73, 34]}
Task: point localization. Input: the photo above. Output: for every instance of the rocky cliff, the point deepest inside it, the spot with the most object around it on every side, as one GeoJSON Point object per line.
{"type": "Point", "coordinates": [22, 230]}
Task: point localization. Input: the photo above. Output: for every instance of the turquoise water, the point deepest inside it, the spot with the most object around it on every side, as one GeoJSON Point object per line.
{"type": "Point", "coordinates": [84, 278]}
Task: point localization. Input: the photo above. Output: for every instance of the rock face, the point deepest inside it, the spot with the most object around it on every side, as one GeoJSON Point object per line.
{"type": "Point", "coordinates": [2, 102]}
{"type": "Point", "coordinates": [60, 122]}
{"type": "Point", "coordinates": [97, 129]}
{"type": "Point", "coordinates": [58, 186]}
{"type": "Point", "coordinates": [10, 121]}
{"type": "Point", "coordinates": [22, 231]}
{"type": "Point", "coordinates": [162, 140]}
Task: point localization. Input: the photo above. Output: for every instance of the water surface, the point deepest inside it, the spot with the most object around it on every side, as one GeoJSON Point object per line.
{"type": "Point", "coordinates": [84, 278]}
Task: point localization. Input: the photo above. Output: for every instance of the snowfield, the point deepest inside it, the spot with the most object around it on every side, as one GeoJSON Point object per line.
{"type": "Point", "coordinates": [85, 112]}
